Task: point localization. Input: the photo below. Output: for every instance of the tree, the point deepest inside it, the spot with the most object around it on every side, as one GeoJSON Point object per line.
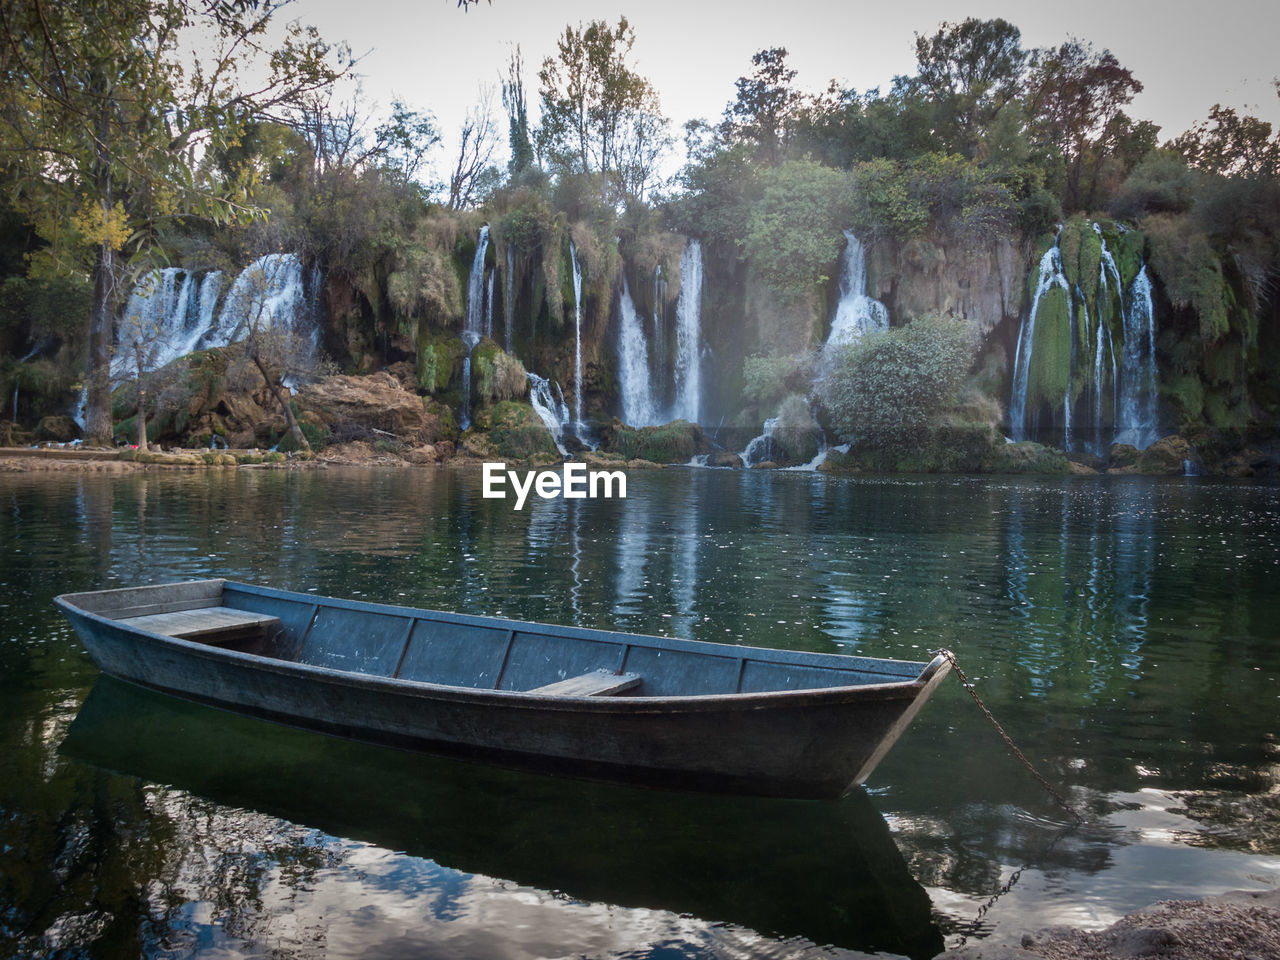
{"type": "Point", "coordinates": [1074, 103]}
{"type": "Point", "coordinates": [765, 110]}
{"type": "Point", "coordinates": [1231, 145]}
{"type": "Point", "coordinates": [477, 139]}
{"type": "Point", "coordinates": [279, 352]}
{"type": "Point", "coordinates": [513, 99]}
{"type": "Point", "coordinates": [598, 115]}
{"type": "Point", "coordinates": [969, 70]}
{"type": "Point", "coordinates": [109, 106]}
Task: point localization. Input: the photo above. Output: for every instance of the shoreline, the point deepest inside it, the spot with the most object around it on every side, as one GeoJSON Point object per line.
{"type": "Point", "coordinates": [1239, 925]}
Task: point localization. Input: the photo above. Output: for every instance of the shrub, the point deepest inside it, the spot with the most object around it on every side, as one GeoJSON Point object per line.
{"type": "Point", "coordinates": [887, 388]}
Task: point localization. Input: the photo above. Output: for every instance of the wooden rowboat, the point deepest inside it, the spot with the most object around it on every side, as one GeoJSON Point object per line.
{"type": "Point", "coordinates": [589, 703]}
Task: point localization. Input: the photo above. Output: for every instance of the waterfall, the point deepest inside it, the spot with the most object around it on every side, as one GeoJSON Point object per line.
{"type": "Point", "coordinates": [1138, 399]}
{"type": "Point", "coordinates": [509, 301]}
{"type": "Point", "coordinates": [156, 320]}
{"type": "Point", "coordinates": [488, 306]}
{"type": "Point", "coordinates": [550, 408]}
{"type": "Point", "coordinates": [267, 293]}
{"type": "Point", "coordinates": [688, 377]}
{"type": "Point", "coordinates": [475, 285]}
{"type": "Point", "coordinates": [638, 407]}
{"type": "Point", "coordinates": [659, 339]}
{"type": "Point", "coordinates": [472, 332]}
{"type": "Point", "coordinates": [1050, 276]}
{"type": "Point", "coordinates": [856, 313]}
{"type": "Point", "coordinates": [577, 343]}
{"type": "Point", "coordinates": [207, 301]}
{"type": "Point", "coordinates": [761, 448]}
{"type": "Point", "coordinates": [1112, 347]}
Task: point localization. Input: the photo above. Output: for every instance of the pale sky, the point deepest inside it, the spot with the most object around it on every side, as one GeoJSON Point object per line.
{"type": "Point", "coordinates": [434, 56]}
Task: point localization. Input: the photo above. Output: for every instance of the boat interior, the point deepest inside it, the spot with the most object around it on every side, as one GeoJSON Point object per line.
{"type": "Point", "coordinates": [467, 651]}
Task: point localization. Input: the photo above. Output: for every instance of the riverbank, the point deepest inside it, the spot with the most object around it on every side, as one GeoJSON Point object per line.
{"type": "Point", "coordinates": [1241, 925]}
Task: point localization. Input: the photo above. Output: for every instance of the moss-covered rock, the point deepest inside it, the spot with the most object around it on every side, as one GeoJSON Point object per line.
{"type": "Point", "coordinates": [1027, 457]}
{"type": "Point", "coordinates": [1050, 374]}
{"type": "Point", "coordinates": [60, 429]}
{"type": "Point", "coordinates": [517, 433]}
{"type": "Point", "coordinates": [676, 442]}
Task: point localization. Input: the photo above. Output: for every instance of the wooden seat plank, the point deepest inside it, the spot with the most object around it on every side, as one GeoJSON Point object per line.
{"type": "Point", "coordinates": [597, 683]}
{"type": "Point", "coordinates": [204, 622]}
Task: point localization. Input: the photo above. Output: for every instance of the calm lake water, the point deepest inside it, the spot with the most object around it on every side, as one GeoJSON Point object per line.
{"type": "Point", "coordinates": [1125, 631]}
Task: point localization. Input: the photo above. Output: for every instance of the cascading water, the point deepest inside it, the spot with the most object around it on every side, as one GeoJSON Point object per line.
{"type": "Point", "coordinates": [469, 339]}
{"type": "Point", "coordinates": [856, 313]}
{"type": "Point", "coordinates": [1100, 346]}
{"type": "Point", "coordinates": [168, 320]}
{"type": "Point", "coordinates": [638, 406]}
{"type": "Point", "coordinates": [1137, 419]}
{"type": "Point", "coordinates": [577, 343]}
{"type": "Point", "coordinates": [659, 339]}
{"type": "Point", "coordinates": [509, 301]}
{"type": "Point", "coordinates": [1051, 275]}
{"type": "Point", "coordinates": [688, 375]}
{"type": "Point", "coordinates": [267, 293]}
{"type": "Point", "coordinates": [472, 331]}
{"type": "Point", "coordinates": [488, 306]}
{"type": "Point", "coordinates": [549, 405]}
{"type": "Point", "coordinates": [475, 285]}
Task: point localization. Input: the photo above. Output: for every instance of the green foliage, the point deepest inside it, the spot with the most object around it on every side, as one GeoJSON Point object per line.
{"type": "Point", "coordinates": [31, 308]}
{"type": "Point", "coordinates": [317, 436]}
{"type": "Point", "coordinates": [1051, 346]}
{"type": "Point", "coordinates": [517, 433]}
{"type": "Point", "coordinates": [1161, 182]}
{"type": "Point", "coordinates": [599, 116]}
{"type": "Point", "coordinates": [1190, 271]}
{"type": "Point", "coordinates": [676, 442]}
{"type": "Point", "coordinates": [794, 233]}
{"type": "Point", "coordinates": [796, 434]}
{"type": "Point", "coordinates": [887, 387]}
{"type": "Point", "coordinates": [766, 380]}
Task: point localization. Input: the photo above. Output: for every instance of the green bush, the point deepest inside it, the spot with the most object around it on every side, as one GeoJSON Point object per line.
{"type": "Point", "coordinates": [519, 434]}
{"type": "Point", "coordinates": [794, 234]}
{"type": "Point", "coordinates": [766, 380]}
{"type": "Point", "coordinates": [887, 388]}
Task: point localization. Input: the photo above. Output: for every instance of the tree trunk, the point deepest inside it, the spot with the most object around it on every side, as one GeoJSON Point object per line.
{"type": "Point", "coordinates": [97, 416]}
{"type": "Point", "coordinates": [142, 401]}
{"type": "Point", "coordinates": [295, 431]}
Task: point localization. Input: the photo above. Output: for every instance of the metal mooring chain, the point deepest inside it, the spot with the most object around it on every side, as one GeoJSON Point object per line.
{"type": "Point", "coordinates": [1013, 747]}
{"type": "Point", "coordinates": [1077, 819]}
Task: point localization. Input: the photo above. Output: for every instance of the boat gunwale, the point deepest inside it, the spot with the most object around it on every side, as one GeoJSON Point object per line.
{"type": "Point", "coordinates": [907, 687]}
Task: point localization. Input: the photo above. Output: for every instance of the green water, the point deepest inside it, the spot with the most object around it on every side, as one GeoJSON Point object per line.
{"type": "Point", "coordinates": [1126, 632]}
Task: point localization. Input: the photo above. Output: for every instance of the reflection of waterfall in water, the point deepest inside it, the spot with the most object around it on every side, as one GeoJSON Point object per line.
{"type": "Point", "coordinates": [547, 401]}
{"type": "Point", "coordinates": [1105, 558]}
{"type": "Point", "coordinates": [631, 594]}
{"type": "Point", "coordinates": [635, 379]}
{"type": "Point", "coordinates": [684, 579]}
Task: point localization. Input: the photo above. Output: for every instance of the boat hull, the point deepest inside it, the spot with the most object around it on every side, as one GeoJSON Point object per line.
{"type": "Point", "coordinates": [791, 743]}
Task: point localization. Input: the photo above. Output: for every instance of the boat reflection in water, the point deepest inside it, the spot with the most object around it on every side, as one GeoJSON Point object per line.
{"type": "Point", "coordinates": [654, 866]}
